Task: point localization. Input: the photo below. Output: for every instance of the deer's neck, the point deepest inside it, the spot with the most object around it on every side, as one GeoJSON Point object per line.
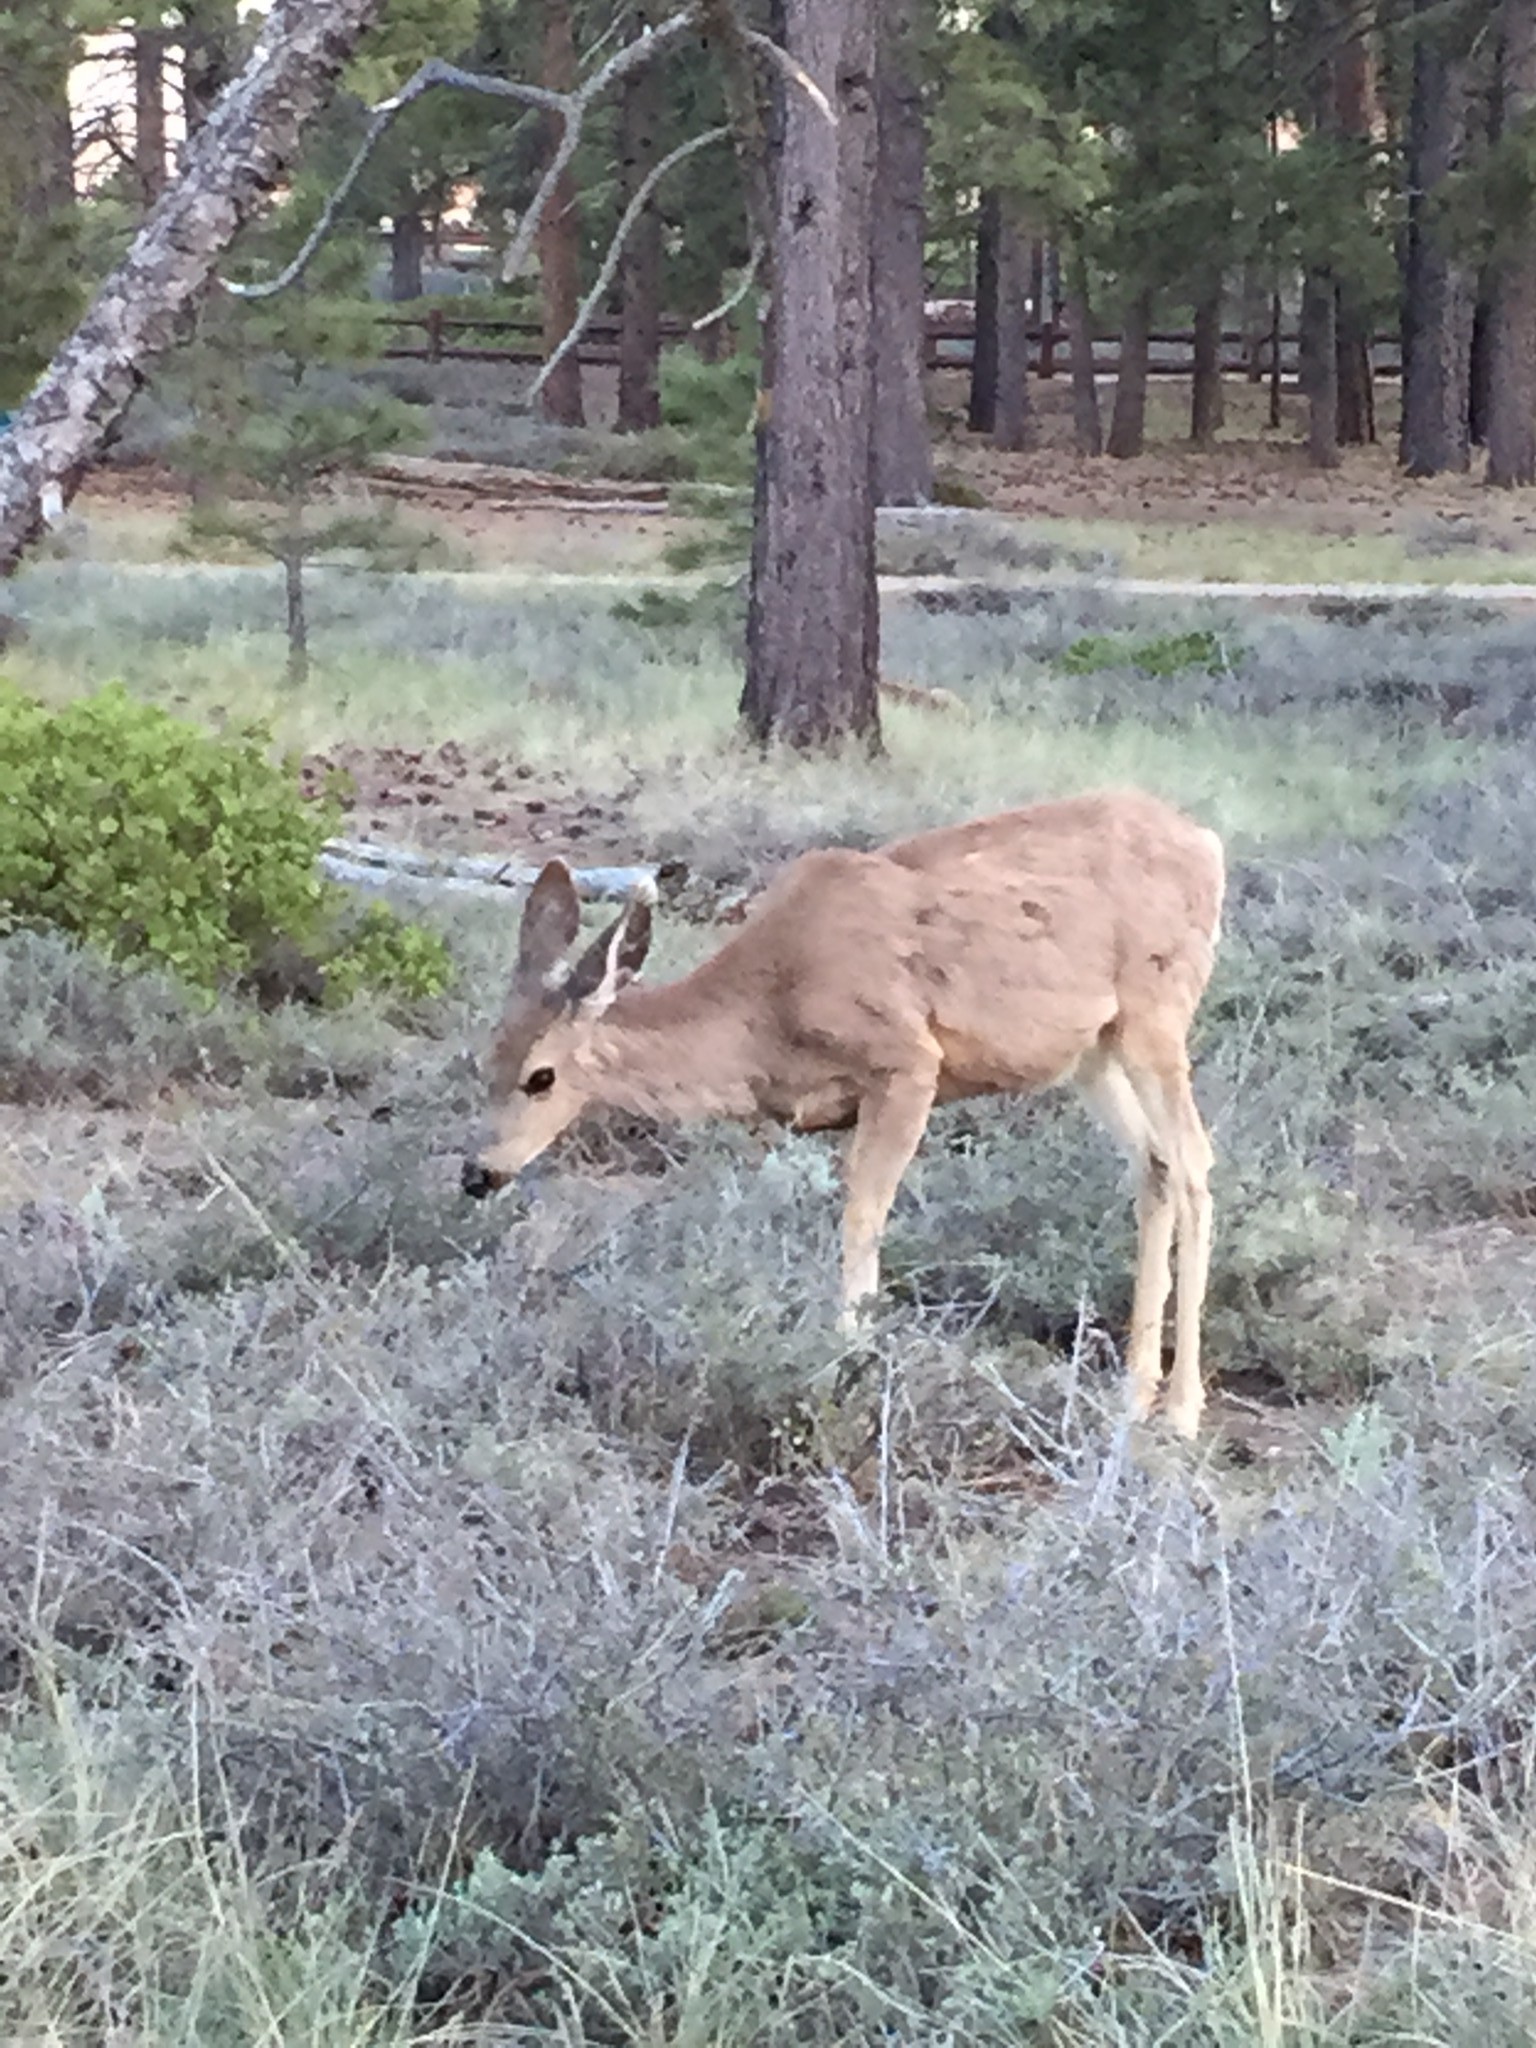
{"type": "Point", "coordinates": [680, 1052]}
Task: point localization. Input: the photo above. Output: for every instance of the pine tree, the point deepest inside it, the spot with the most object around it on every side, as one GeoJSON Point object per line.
{"type": "Point", "coordinates": [283, 430]}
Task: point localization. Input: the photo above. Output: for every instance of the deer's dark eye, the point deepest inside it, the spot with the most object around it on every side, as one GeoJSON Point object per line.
{"type": "Point", "coordinates": [540, 1081]}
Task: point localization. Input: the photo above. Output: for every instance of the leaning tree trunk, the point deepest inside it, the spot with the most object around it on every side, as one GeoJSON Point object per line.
{"type": "Point", "coordinates": [640, 114]}
{"type": "Point", "coordinates": [234, 161]}
{"type": "Point", "coordinates": [813, 624]}
{"type": "Point", "coordinates": [1511, 422]}
{"type": "Point", "coordinates": [981, 416]}
{"type": "Point", "coordinates": [903, 452]}
{"type": "Point", "coordinates": [1128, 421]}
{"type": "Point", "coordinates": [1087, 431]}
{"type": "Point", "coordinates": [1014, 427]}
{"type": "Point", "coordinates": [1437, 294]}
{"type": "Point", "coordinates": [559, 238]}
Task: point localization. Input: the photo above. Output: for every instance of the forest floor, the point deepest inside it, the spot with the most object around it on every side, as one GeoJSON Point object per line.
{"type": "Point", "coordinates": [1249, 510]}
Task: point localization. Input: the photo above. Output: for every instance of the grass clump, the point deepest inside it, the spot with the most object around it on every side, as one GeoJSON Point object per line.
{"type": "Point", "coordinates": [152, 840]}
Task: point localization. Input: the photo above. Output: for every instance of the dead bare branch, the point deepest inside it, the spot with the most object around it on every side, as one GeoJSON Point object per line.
{"type": "Point", "coordinates": [610, 262]}
{"type": "Point", "coordinates": [734, 297]}
{"type": "Point", "coordinates": [797, 74]}
{"type": "Point", "coordinates": [570, 109]}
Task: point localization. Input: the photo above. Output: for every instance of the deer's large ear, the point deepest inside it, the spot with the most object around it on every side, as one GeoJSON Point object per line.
{"type": "Point", "coordinates": [551, 920]}
{"type": "Point", "coordinates": [613, 958]}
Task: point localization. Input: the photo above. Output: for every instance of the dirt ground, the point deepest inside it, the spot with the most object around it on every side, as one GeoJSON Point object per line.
{"type": "Point", "coordinates": [467, 800]}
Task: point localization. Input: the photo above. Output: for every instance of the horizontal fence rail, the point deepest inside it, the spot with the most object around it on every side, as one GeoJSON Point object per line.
{"type": "Point", "coordinates": [949, 342]}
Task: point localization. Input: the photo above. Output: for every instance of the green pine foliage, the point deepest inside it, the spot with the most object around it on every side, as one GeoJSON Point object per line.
{"type": "Point", "coordinates": [283, 430]}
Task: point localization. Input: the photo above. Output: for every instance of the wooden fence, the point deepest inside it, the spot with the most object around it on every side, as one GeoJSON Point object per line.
{"type": "Point", "coordinates": [950, 340]}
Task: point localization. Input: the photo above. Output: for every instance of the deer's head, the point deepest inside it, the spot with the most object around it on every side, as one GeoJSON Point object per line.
{"type": "Point", "coordinates": [539, 1075]}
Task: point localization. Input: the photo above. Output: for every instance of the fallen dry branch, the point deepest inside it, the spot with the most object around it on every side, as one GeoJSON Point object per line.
{"type": "Point", "coordinates": [507, 486]}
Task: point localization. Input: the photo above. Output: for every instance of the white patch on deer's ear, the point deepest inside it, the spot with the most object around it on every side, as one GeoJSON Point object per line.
{"type": "Point", "coordinates": [614, 976]}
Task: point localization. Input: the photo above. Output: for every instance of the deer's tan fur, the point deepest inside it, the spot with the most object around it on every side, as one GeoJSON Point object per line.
{"type": "Point", "coordinates": [1069, 941]}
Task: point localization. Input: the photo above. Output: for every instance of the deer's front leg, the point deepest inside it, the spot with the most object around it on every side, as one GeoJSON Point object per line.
{"type": "Point", "coordinates": [892, 1117]}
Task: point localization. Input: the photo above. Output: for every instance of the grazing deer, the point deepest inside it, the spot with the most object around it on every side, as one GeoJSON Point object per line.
{"type": "Point", "coordinates": [1069, 941]}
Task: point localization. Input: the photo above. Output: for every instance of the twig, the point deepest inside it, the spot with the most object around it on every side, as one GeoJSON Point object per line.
{"type": "Point", "coordinates": [610, 263]}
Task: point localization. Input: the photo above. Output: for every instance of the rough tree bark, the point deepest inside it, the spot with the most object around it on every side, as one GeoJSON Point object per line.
{"type": "Point", "coordinates": [41, 105]}
{"type": "Point", "coordinates": [560, 233]}
{"type": "Point", "coordinates": [1511, 422]}
{"type": "Point", "coordinates": [1354, 113]}
{"type": "Point", "coordinates": [1087, 431]}
{"type": "Point", "coordinates": [640, 115]}
{"type": "Point", "coordinates": [407, 249]}
{"type": "Point", "coordinates": [903, 452]}
{"type": "Point", "coordinates": [149, 157]}
{"type": "Point", "coordinates": [1014, 425]}
{"type": "Point", "coordinates": [1127, 423]}
{"type": "Point", "coordinates": [1437, 288]}
{"type": "Point", "coordinates": [813, 627]}
{"type": "Point", "coordinates": [236, 159]}
{"type": "Point", "coordinates": [1205, 398]}
{"type": "Point", "coordinates": [1320, 366]}
{"type": "Point", "coordinates": [981, 416]}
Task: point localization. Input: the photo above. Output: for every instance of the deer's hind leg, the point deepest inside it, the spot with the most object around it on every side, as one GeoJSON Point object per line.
{"type": "Point", "coordinates": [1160, 1083]}
{"type": "Point", "coordinates": [1107, 1089]}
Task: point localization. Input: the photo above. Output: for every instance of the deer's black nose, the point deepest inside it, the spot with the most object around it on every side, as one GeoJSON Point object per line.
{"type": "Point", "coordinates": [478, 1181]}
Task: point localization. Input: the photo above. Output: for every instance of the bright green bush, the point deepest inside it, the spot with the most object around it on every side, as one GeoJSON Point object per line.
{"type": "Point", "coordinates": [1167, 655]}
{"type": "Point", "coordinates": [151, 839]}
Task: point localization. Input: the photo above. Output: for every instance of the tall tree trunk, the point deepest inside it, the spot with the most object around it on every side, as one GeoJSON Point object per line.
{"type": "Point", "coordinates": [1355, 112]}
{"type": "Point", "coordinates": [407, 246]}
{"type": "Point", "coordinates": [49, 187]}
{"type": "Point", "coordinates": [1512, 293]}
{"type": "Point", "coordinates": [1255, 321]}
{"type": "Point", "coordinates": [149, 157]}
{"type": "Point", "coordinates": [1205, 397]}
{"type": "Point", "coordinates": [982, 416]}
{"type": "Point", "coordinates": [210, 47]}
{"type": "Point", "coordinates": [1015, 418]}
{"type": "Point", "coordinates": [293, 593]}
{"type": "Point", "coordinates": [903, 452]}
{"type": "Point", "coordinates": [1128, 421]}
{"type": "Point", "coordinates": [1437, 295]}
{"type": "Point", "coordinates": [143, 305]}
{"type": "Point", "coordinates": [1479, 369]}
{"type": "Point", "coordinates": [813, 627]}
{"type": "Point", "coordinates": [1087, 431]}
{"type": "Point", "coordinates": [641, 109]}
{"type": "Point", "coordinates": [559, 238]}
{"type": "Point", "coordinates": [1353, 372]}
{"type": "Point", "coordinates": [1320, 367]}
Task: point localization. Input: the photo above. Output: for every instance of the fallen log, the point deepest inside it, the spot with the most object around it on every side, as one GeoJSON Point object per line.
{"type": "Point", "coordinates": [367, 864]}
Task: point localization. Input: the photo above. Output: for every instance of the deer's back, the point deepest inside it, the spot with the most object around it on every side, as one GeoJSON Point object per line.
{"type": "Point", "coordinates": [1014, 942]}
